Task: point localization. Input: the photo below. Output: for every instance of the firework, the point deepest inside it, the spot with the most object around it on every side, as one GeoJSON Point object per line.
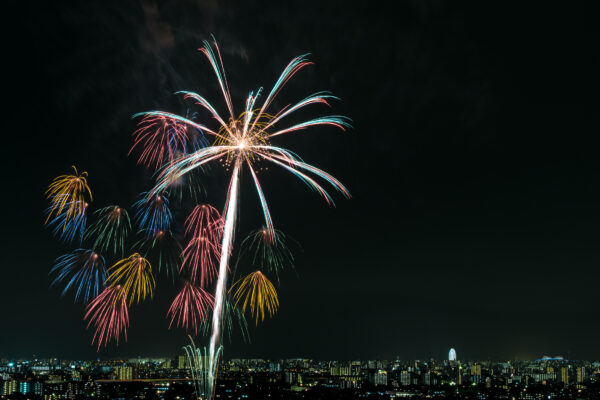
{"type": "Point", "coordinates": [244, 141]}
{"type": "Point", "coordinates": [205, 225]}
{"type": "Point", "coordinates": [200, 368]}
{"type": "Point", "coordinates": [83, 270]}
{"type": "Point", "coordinates": [161, 139]}
{"type": "Point", "coordinates": [204, 220]}
{"type": "Point", "coordinates": [188, 186]}
{"type": "Point", "coordinates": [68, 227]}
{"type": "Point", "coordinates": [110, 230]}
{"type": "Point", "coordinates": [275, 254]}
{"type": "Point", "coordinates": [162, 248]}
{"type": "Point", "coordinates": [134, 274]}
{"type": "Point", "coordinates": [258, 294]}
{"type": "Point", "coordinates": [109, 316]}
{"type": "Point", "coordinates": [152, 212]}
{"type": "Point", "coordinates": [190, 307]}
{"type": "Point", "coordinates": [67, 196]}
{"type": "Point", "coordinates": [232, 316]}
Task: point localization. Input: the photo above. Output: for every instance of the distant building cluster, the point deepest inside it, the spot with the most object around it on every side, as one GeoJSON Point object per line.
{"type": "Point", "coordinates": [162, 378]}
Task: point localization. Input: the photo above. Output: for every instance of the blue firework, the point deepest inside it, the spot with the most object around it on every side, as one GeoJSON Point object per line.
{"type": "Point", "coordinates": [83, 270]}
{"type": "Point", "coordinates": [152, 213]}
{"type": "Point", "coordinates": [69, 225]}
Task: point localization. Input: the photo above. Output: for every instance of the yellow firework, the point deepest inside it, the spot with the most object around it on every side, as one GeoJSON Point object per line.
{"type": "Point", "coordinates": [258, 293]}
{"type": "Point", "coordinates": [134, 273]}
{"type": "Point", "coordinates": [68, 192]}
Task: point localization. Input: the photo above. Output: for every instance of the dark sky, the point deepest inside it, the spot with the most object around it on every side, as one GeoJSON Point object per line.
{"type": "Point", "coordinates": [472, 164]}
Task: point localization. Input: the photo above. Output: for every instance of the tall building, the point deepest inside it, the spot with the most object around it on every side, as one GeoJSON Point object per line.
{"type": "Point", "coordinates": [452, 355]}
{"type": "Point", "coordinates": [124, 373]}
{"type": "Point", "coordinates": [580, 374]}
{"type": "Point", "coordinates": [564, 375]}
{"type": "Point", "coordinates": [476, 373]}
{"type": "Point", "coordinates": [38, 388]}
{"type": "Point", "coordinates": [181, 362]}
{"type": "Point", "coordinates": [426, 378]}
{"type": "Point", "coordinates": [405, 378]}
{"type": "Point", "coordinates": [10, 387]}
{"type": "Point", "coordinates": [380, 378]}
{"type": "Point", "coordinates": [24, 387]}
{"type": "Point", "coordinates": [355, 368]}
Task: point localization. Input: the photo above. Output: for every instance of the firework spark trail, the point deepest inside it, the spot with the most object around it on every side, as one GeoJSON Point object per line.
{"type": "Point", "coordinates": [134, 275]}
{"type": "Point", "coordinates": [203, 217]}
{"type": "Point", "coordinates": [230, 315]}
{"type": "Point", "coordinates": [190, 307]}
{"type": "Point", "coordinates": [198, 365]}
{"type": "Point", "coordinates": [258, 294]}
{"type": "Point", "coordinates": [68, 227]}
{"type": "Point", "coordinates": [161, 138]}
{"type": "Point", "coordinates": [152, 212]}
{"type": "Point", "coordinates": [68, 191]}
{"type": "Point", "coordinates": [274, 255]}
{"type": "Point", "coordinates": [110, 230]}
{"type": "Point", "coordinates": [84, 269]}
{"type": "Point", "coordinates": [205, 225]}
{"type": "Point", "coordinates": [162, 248]}
{"type": "Point", "coordinates": [230, 213]}
{"type": "Point", "coordinates": [109, 316]}
{"type": "Point", "coordinates": [199, 257]}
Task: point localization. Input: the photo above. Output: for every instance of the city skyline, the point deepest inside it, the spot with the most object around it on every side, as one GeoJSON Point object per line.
{"type": "Point", "coordinates": [170, 378]}
{"type": "Point", "coordinates": [473, 220]}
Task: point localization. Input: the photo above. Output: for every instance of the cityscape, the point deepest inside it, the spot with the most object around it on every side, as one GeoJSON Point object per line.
{"type": "Point", "coordinates": [298, 378]}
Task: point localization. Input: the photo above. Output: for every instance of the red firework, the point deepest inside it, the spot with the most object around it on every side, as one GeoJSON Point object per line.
{"type": "Point", "coordinates": [108, 313]}
{"type": "Point", "coordinates": [161, 138]}
{"type": "Point", "coordinates": [200, 256]}
{"type": "Point", "coordinates": [190, 307]}
{"type": "Point", "coordinates": [203, 217]}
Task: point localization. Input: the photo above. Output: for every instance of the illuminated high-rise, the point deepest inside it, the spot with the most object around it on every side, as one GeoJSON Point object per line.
{"type": "Point", "coordinates": [452, 355]}
{"type": "Point", "coordinates": [124, 372]}
{"type": "Point", "coordinates": [181, 362]}
{"type": "Point", "coordinates": [564, 375]}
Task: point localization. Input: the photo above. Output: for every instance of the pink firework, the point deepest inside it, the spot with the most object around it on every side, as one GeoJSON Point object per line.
{"type": "Point", "coordinates": [190, 307]}
{"type": "Point", "coordinates": [202, 218]}
{"type": "Point", "coordinates": [108, 313]}
{"type": "Point", "coordinates": [162, 139]}
{"type": "Point", "coordinates": [200, 256]}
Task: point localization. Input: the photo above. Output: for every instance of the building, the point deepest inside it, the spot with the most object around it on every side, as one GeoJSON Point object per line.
{"type": "Point", "coordinates": [124, 373]}
{"type": "Point", "coordinates": [181, 362]}
{"type": "Point", "coordinates": [380, 378]}
{"type": "Point", "coordinates": [476, 373]}
{"type": "Point", "coordinates": [25, 387]}
{"type": "Point", "coordinates": [564, 375]}
{"type": "Point", "coordinates": [9, 387]}
{"type": "Point", "coordinates": [426, 378]}
{"type": "Point", "coordinates": [405, 378]}
{"type": "Point", "coordinates": [452, 355]}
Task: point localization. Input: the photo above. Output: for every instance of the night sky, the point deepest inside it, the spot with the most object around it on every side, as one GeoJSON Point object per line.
{"type": "Point", "coordinates": [472, 162]}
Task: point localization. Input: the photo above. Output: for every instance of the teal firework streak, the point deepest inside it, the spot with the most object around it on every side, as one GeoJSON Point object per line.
{"type": "Point", "coordinates": [232, 316]}
{"type": "Point", "coordinates": [162, 249]}
{"type": "Point", "coordinates": [82, 270]}
{"type": "Point", "coordinates": [109, 231]}
{"type": "Point", "coordinates": [274, 255]}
